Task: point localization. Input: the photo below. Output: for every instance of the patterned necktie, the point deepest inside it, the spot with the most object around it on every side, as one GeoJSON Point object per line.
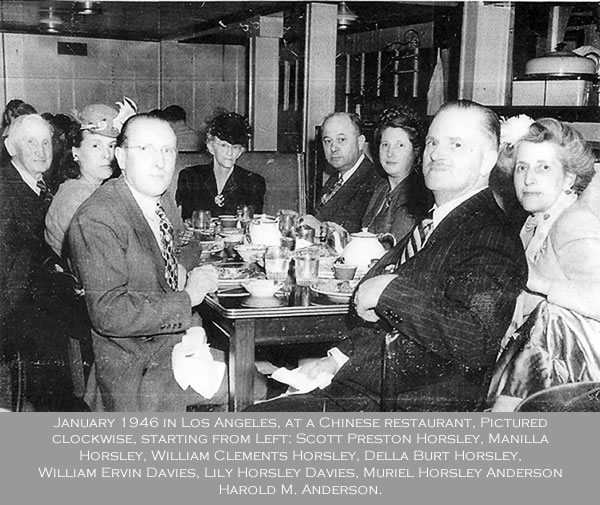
{"type": "Point", "coordinates": [45, 193]}
{"type": "Point", "coordinates": [418, 238]}
{"type": "Point", "coordinates": [167, 249]}
{"type": "Point", "coordinates": [333, 190]}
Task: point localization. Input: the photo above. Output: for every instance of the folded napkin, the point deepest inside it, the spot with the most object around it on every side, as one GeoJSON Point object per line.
{"type": "Point", "coordinates": [194, 365]}
{"type": "Point", "coordinates": [299, 381]}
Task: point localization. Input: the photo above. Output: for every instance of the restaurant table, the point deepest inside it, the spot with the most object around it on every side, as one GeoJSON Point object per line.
{"type": "Point", "coordinates": [300, 317]}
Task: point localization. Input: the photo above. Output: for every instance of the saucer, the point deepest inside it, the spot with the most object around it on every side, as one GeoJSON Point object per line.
{"type": "Point", "coordinates": [255, 302]}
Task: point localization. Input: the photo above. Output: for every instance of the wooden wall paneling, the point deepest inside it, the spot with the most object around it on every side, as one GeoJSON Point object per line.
{"type": "Point", "coordinates": [235, 65]}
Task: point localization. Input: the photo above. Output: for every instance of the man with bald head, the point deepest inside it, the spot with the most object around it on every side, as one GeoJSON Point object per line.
{"type": "Point", "coordinates": [23, 204]}
{"type": "Point", "coordinates": [442, 298]}
{"type": "Point", "coordinates": [347, 192]}
{"type": "Point", "coordinates": [139, 298]}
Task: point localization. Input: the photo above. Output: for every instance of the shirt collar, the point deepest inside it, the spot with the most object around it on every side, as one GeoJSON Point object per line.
{"type": "Point", "coordinates": [146, 203]}
{"type": "Point", "coordinates": [29, 179]}
{"type": "Point", "coordinates": [439, 213]}
{"type": "Point", "coordinates": [348, 174]}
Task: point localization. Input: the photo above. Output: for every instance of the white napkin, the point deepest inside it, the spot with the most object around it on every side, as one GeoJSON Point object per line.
{"type": "Point", "coordinates": [193, 364]}
{"type": "Point", "coordinates": [299, 381]}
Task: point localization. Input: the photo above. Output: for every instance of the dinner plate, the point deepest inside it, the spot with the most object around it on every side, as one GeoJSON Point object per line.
{"type": "Point", "coordinates": [336, 291]}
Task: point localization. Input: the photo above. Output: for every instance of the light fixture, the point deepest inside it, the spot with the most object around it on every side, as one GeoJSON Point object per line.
{"type": "Point", "coordinates": [345, 17]}
{"type": "Point", "coordinates": [49, 21]}
{"type": "Point", "coordinates": [87, 8]}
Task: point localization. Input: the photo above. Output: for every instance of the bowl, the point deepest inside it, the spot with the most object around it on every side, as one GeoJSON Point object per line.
{"type": "Point", "coordinates": [251, 253]}
{"type": "Point", "coordinates": [262, 288]}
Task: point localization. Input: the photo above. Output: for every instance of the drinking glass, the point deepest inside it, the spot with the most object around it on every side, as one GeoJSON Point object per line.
{"type": "Point", "coordinates": [277, 262]}
{"type": "Point", "coordinates": [306, 266]}
{"type": "Point", "coordinates": [287, 222]}
{"type": "Point", "coordinates": [202, 224]}
{"type": "Point", "coordinates": [201, 219]}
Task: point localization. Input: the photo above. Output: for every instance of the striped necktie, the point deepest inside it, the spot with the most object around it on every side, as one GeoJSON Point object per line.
{"type": "Point", "coordinates": [333, 190]}
{"type": "Point", "coordinates": [417, 239]}
{"type": "Point", "coordinates": [45, 193]}
{"type": "Point", "coordinates": [167, 247]}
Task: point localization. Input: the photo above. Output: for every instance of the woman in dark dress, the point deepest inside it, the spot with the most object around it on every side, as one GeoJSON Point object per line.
{"type": "Point", "coordinates": [400, 200]}
{"type": "Point", "coordinates": [221, 186]}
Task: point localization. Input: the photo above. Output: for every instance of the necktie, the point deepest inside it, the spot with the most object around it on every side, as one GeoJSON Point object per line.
{"type": "Point", "coordinates": [167, 249]}
{"type": "Point", "coordinates": [418, 238]}
{"type": "Point", "coordinates": [333, 190]}
{"type": "Point", "coordinates": [45, 193]}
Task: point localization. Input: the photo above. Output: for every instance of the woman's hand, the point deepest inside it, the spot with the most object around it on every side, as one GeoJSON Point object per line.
{"type": "Point", "coordinates": [313, 368]}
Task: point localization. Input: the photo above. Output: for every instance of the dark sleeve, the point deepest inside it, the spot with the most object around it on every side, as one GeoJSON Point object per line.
{"type": "Point", "coordinates": [116, 304]}
{"type": "Point", "coordinates": [257, 194]}
{"type": "Point", "coordinates": [463, 316]}
{"type": "Point", "coordinates": [184, 194]}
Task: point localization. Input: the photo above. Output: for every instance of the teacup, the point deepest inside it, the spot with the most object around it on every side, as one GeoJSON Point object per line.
{"type": "Point", "coordinates": [344, 272]}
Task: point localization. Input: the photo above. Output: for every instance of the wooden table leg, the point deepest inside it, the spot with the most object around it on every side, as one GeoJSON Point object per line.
{"type": "Point", "coordinates": [241, 365]}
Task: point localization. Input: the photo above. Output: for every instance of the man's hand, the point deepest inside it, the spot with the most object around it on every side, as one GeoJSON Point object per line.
{"type": "Point", "coordinates": [313, 368]}
{"type": "Point", "coordinates": [367, 296]}
{"type": "Point", "coordinates": [201, 281]}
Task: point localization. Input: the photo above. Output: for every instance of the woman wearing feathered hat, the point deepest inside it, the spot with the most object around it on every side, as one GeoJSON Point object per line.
{"type": "Point", "coordinates": [87, 163]}
{"type": "Point", "coordinates": [221, 186]}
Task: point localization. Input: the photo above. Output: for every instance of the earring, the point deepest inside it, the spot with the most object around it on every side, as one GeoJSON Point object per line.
{"type": "Point", "coordinates": [568, 191]}
{"type": "Point", "coordinates": [76, 158]}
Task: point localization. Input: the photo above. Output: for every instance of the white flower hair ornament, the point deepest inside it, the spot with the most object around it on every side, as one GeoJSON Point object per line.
{"type": "Point", "coordinates": [127, 108]}
{"type": "Point", "coordinates": [514, 128]}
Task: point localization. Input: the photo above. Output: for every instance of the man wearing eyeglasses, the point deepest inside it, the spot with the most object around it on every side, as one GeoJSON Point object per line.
{"type": "Point", "coordinates": [139, 298]}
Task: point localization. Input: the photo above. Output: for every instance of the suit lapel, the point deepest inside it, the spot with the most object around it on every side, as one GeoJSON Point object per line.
{"type": "Point", "coordinates": [142, 230]}
{"type": "Point", "coordinates": [349, 187]}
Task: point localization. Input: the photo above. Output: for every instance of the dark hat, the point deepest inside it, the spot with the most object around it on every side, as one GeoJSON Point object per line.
{"type": "Point", "coordinates": [230, 127]}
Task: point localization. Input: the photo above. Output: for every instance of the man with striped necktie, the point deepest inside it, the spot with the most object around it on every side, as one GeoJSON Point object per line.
{"type": "Point", "coordinates": [442, 298]}
{"type": "Point", "coordinates": [139, 298]}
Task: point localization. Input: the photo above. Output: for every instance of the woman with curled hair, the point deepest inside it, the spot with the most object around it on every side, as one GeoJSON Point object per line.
{"type": "Point", "coordinates": [555, 334]}
{"type": "Point", "coordinates": [87, 162]}
{"type": "Point", "coordinates": [400, 200]}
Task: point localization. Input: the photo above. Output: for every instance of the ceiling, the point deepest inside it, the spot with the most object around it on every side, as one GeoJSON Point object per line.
{"type": "Point", "coordinates": [196, 21]}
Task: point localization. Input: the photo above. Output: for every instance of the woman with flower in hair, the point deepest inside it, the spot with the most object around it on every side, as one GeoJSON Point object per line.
{"type": "Point", "coordinates": [555, 335]}
{"type": "Point", "coordinates": [87, 162]}
{"type": "Point", "coordinates": [221, 186]}
{"type": "Point", "coordinates": [400, 200]}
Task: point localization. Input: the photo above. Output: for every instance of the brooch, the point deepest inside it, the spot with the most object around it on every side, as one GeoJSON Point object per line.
{"type": "Point", "coordinates": [220, 200]}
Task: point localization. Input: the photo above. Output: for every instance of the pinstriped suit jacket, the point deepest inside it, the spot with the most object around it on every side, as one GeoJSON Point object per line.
{"type": "Point", "coordinates": [451, 304]}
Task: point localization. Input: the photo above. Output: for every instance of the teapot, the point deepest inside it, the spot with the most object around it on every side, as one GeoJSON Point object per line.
{"type": "Point", "coordinates": [264, 230]}
{"type": "Point", "coordinates": [362, 249]}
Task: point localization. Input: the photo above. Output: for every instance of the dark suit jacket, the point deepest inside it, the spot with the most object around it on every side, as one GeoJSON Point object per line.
{"type": "Point", "coordinates": [22, 247]}
{"type": "Point", "coordinates": [348, 205]}
{"type": "Point", "coordinates": [136, 317]}
{"type": "Point", "coordinates": [451, 304]}
{"type": "Point", "coordinates": [197, 189]}
{"type": "Point", "coordinates": [403, 211]}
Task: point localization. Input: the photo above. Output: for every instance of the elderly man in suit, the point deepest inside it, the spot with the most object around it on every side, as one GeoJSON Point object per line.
{"type": "Point", "coordinates": [24, 307]}
{"type": "Point", "coordinates": [122, 243]}
{"type": "Point", "coordinates": [442, 298]}
{"type": "Point", "coordinates": [346, 194]}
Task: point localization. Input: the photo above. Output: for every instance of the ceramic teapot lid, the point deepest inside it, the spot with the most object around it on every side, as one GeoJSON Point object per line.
{"type": "Point", "coordinates": [364, 233]}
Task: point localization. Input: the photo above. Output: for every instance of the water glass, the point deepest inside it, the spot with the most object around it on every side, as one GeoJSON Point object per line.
{"type": "Point", "coordinates": [245, 213]}
{"type": "Point", "coordinates": [201, 219]}
{"type": "Point", "coordinates": [277, 263]}
{"type": "Point", "coordinates": [306, 266]}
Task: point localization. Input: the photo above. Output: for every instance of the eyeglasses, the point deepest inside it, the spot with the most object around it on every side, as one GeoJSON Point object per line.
{"type": "Point", "coordinates": [150, 150]}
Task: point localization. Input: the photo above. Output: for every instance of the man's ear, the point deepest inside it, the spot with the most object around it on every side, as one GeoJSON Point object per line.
{"type": "Point", "coordinates": [9, 146]}
{"type": "Point", "coordinates": [120, 156]}
{"type": "Point", "coordinates": [361, 142]}
{"type": "Point", "coordinates": [488, 162]}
